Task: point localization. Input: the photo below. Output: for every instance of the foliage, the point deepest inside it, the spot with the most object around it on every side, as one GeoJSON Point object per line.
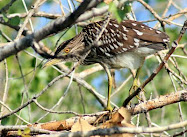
{"type": "Point", "coordinates": [25, 133]}
{"type": "Point", "coordinates": [119, 13]}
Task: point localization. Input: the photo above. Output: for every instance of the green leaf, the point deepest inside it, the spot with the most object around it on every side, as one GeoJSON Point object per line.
{"type": "Point", "coordinates": [5, 121]}
{"type": "Point", "coordinates": [27, 135]}
{"type": "Point", "coordinates": [5, 18]}
{"type": "Point", "coordinates": [114, 10]}
{"type": "Point", "coordinates": [127, 7]}
{"type": "Point", "coordinates": [119, 14]}
{"type": "Point", "coordinates": [27, 131]}
{"type": "Point", "coordinates": [112, 7]}
{"type": "Point", "coordinates": [14, 21]}
{"type": "Point", "coordinates": [147, 1]}
{"type": "Point", "coordinates": [19, 132]}
{"type": "Point", "coordinates": [33, 62]}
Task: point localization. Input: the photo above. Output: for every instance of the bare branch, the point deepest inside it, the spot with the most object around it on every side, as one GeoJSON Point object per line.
{"type": "Point", "coordinates": [139, 108]}
{"type": "Point", "coordinates": [159, 102]}
{"type": "Point", "coordinates": [121, 130]}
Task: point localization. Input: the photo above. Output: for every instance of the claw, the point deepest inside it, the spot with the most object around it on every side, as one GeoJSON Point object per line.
{"type": "Point", "coordinates": [136, 82]}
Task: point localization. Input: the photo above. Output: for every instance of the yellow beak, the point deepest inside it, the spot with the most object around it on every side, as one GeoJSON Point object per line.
{"type": "Point", "coordinates": [51, 62]}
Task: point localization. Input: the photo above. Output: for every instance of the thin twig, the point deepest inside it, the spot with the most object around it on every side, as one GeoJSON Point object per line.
{"type": "Point", "coordinates": [9, 109]}
{"type": "Point", "coordinates": [5, 93]}
{"type": "Point", "coordinates": [7, 6]}
{"type": "Point", "coordinates": [32, 99]}
{"type": "Point", "coordinates": [56, 112]}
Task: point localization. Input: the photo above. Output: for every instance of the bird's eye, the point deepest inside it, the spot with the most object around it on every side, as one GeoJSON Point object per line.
{"type": "Point", "coordinates": [67, 50]}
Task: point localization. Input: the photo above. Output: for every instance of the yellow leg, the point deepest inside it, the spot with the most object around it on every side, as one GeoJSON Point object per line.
{"type": "Point", "coordinates": [112, 71]}
{"type": "Point", "coordinates": [135, 84]}
{"type": "Point", "coordinates": [109, 86]}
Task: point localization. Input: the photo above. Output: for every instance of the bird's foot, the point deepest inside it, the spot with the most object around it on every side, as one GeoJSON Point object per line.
{"type": "Point", "coordinates": [109, 108]}
{"type": "Point", "coordinates": [134, 87]}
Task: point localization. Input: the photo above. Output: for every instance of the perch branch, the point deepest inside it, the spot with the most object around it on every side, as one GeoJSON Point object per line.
{"type": "Point", "coordinates": [159, 102]}
{"type": "Point", "coordinates": [121, 130]}
{"type": "Point", "coordinates": [139, 108]}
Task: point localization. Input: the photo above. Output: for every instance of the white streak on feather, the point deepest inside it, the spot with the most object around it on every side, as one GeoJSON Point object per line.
{"type": "Point", "coordinates": [157, 31]}
{"type": "Point", "coordinates": [138, 32]}
{"type": "Point", "coordinates": [116, 25]}
{"type": "Point", "coordinates": [124, 49]}
{"type": "Point", "coordinates": [111, 47]}
{"type": "Point", "coordinates": [124, 36]}
{"type": "Point", "coordinates": [116, 46]}
{"type": "Point", "coordinates": [101, 49]}
{"type": "Point", "coordinates": [136, 40]}
{"type": "Point", "coordinates": [134, 24]}
{"type": "Point", "coordinates": [125, 29]}
{"type": "Point", "coordinates": [120, 44]}
{"type": "Point", "coordinates": [107, 54]}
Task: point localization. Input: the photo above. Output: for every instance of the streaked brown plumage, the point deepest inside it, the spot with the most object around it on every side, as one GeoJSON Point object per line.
{"type": "Point", "coordinates": [123, 45]}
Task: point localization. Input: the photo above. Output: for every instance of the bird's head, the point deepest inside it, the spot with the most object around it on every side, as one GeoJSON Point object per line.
{"type": "Point", "coordinates": [74, 47]}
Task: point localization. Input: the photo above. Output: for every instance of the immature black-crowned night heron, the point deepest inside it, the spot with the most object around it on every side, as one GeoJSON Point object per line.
{"type": "Point", "coordinates": [123, 45]}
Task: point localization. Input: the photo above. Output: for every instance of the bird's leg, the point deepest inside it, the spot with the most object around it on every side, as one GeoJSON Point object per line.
{"type": "Point", "coordinates": [113, 78]}
{"type": "Point", "coordinates": [136, 82]}
{"type": "Point", "coordinates": [109, 86]}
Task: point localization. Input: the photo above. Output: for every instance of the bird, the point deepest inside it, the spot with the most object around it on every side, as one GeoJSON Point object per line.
{"type": "Point", "coordinates": [120, 45]}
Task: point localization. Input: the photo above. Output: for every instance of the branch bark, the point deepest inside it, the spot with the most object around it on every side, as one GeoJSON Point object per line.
{"type": "Point", "coordinates": [159, 102]}
{"type": "Point", "coordinates": [139, 108]}
{"type": "Point", "coordinates": [120, 130]}
{"type": "Point", "coordinates": [105, 131]}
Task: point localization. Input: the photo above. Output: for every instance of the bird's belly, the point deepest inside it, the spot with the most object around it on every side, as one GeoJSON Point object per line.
{"type": "Point", "coordinates": [126, 60]}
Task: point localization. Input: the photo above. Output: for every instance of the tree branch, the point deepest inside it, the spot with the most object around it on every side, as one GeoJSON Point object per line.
{"type": "Point", "coordinates": [139, 108]}
{"type": "Point", "coordinates": [118, 130]}
{"type": "Point", "coordinates": [159, 102]}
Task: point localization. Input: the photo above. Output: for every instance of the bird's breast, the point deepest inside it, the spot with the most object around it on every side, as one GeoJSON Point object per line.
{"type": "Point", "coordinates": [126, 60]}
